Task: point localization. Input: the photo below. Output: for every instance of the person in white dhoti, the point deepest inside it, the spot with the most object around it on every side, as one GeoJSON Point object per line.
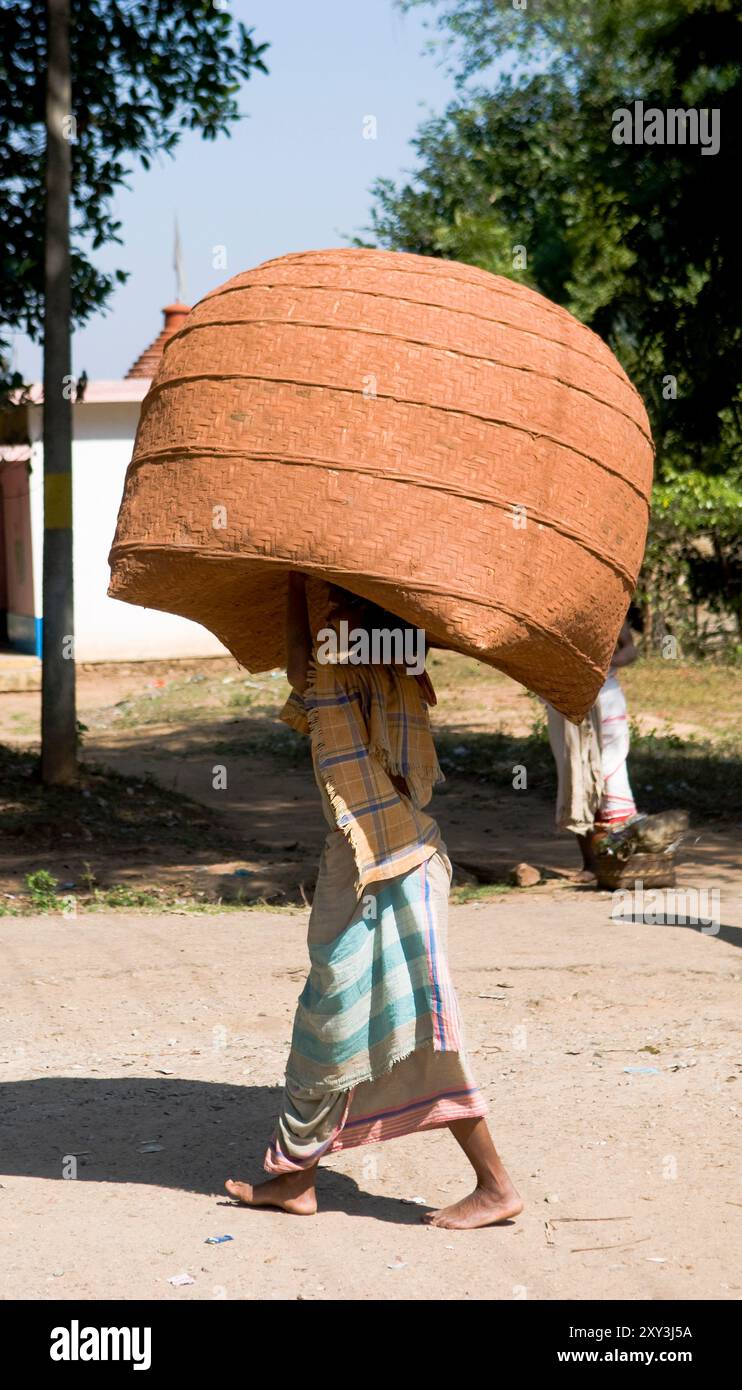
{"type": "Point", "coordinates": [593, 785]}
{"type": "Point", "coordinates": [617, 799]}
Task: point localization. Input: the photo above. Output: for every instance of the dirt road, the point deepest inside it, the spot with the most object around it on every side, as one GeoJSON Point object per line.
{"type": "Point", "coordinates": [148, 1051]}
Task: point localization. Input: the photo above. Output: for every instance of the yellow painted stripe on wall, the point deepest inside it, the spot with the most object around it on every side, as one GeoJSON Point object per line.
{"type": "Point", "coordinates": [58, 501]}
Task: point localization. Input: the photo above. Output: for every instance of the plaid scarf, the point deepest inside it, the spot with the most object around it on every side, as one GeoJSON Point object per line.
{"type": "Point", "coordinates": [367, 722]}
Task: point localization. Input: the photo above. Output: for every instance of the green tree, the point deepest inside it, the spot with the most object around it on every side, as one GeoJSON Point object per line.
{"type": "Point", "coordinates": [636, 239]}
{"type": "Point", "coordinates": [81, 96]}
{"type": "Point", "coordinates": [142, 72]}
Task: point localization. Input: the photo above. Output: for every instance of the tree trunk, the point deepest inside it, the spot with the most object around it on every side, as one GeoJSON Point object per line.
{"type": "Point", "coordinates": [58, 723]}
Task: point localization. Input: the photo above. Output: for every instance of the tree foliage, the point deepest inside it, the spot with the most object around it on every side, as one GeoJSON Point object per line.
{"type": "Point", "coordinates": [143, 71]}
{"type": "Point", "coordinates": [637, 240]}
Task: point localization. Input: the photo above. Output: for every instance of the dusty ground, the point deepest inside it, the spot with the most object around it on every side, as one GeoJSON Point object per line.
{"type": "Point", "coordinates": [172, 1031]}
{"type": "Point", "coordinates": [260, 838]}
{"type": "Point", "coordinates": [148, 1049]}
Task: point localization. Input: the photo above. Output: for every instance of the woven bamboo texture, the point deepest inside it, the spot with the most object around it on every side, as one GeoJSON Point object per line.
{"type": "Point", "coordinates": [441, 440]}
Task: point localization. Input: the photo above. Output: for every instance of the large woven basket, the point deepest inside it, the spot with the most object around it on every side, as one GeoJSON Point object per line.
{"type": "Point", "coordinates": [441, 440]}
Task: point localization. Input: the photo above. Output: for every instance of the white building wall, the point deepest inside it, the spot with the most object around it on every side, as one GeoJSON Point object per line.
{"type": "Point", "coordinates": [105, 628]}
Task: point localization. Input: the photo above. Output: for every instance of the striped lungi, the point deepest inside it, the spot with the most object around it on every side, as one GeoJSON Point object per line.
{"type": "Point", "coordinates": [377, 1048]}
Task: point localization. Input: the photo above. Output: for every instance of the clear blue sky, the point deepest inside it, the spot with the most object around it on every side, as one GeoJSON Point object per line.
{"type": "Point", "coordinates": [295, 174]}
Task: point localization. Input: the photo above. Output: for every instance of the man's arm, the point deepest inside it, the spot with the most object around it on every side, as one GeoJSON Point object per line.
{"type": "Point", "coordinates": [298, 633]}
{"type": "Point", "coordinates": [625, 651]}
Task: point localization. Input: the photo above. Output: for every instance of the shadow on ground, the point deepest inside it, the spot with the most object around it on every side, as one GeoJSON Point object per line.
{"type": "Point", "coordinates": [732, 935]}
{"type": "Point", "coordinates": [47, 1121]}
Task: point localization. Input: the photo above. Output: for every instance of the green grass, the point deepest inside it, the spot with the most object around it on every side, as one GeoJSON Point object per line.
{"type": "Point", "coordinates": [472, 893]}
{"type": "Point", "coordinates": [42, 890]}
{"type": "Point", "coordinates": [191, 700]}
{"type": "Point", "coordinates": [690, 692]}
{"type": "Point", "coordinates": [45, 898]}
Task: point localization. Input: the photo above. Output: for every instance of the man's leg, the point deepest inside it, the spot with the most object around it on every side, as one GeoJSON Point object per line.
{"type": "Point", "coordinates": [292, 1192]}
{"type": "Point", "coordinates": [494, 1198]}
{"type": "Point", "coordinates": [588, 871]}
{"type": "Point", "coordinates": [306, 1128]}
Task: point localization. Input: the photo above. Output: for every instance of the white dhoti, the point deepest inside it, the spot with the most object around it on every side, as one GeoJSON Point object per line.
{"type": "Point", "coordinates": [576, 749]}
{"type": "Point", "coordinates": [592, 779]}
{"type": "Point", "coordinates": [617, 801]}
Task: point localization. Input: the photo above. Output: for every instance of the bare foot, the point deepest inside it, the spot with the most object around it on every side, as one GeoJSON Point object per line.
{"type": "Point", "coordinates": [292, 1192]}
{"type": "Point", "coordinates": [485, 1206]}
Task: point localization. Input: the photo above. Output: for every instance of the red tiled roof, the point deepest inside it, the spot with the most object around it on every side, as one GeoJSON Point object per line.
{"type": "Point", "coordinates": [148, 361]}
{"type": "Point", "coordinates": [96, 393]}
